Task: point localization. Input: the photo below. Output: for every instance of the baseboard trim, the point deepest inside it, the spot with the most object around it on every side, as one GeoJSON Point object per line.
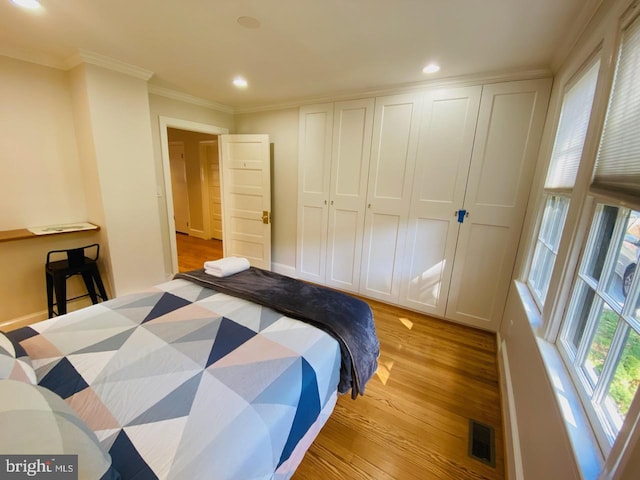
{"type": "Point", "coordinates": [23, 321]}
{"type": "Point", "coordinates": [36, 317]}
{"type": "Point", "coordinates": [513, 455]}
{"type": "Point", "coordinates": [283, 269]}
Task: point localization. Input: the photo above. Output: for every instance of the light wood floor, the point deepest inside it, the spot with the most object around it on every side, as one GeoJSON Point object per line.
{"type": "Point", "coordinates": [413, 421]}
{"type": "Point", "coordinates": [193, 252]}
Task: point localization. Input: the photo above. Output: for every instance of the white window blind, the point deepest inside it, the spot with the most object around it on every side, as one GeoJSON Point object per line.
{"type": "Point", "coordinates": [572, 130]}
{"type": "Point", "coordinates": [617, 169]}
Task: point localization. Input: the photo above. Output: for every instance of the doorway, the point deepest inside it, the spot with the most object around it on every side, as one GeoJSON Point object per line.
{"type": "Point", "coordinates": [197, 203]}
{"type": "Point", "coordinates": [192, 244]}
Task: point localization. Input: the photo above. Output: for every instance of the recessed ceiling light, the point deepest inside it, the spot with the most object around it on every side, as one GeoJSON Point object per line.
{"type": "Point", "coordinates": [431, 68]}
{"type": "Point", "coordinates": [240, 82]}
{"type": "Point", "coordinates": [249, 22]}
{"type": "Point", "coordinates": [30, 4]}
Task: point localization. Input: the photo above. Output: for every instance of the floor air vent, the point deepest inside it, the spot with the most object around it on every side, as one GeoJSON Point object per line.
{"type": "Point", "coordinates": [481, 443]}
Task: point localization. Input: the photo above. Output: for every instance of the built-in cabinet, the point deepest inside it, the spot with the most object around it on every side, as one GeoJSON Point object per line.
{"type": "Point", "coordinates": [393, 157]}
{"type": "Point", "coordinates": [336, 144]}
{"type": "Point", "coordinates": [437, 184]}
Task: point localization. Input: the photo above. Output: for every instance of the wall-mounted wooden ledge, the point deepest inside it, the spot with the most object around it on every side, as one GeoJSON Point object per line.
{"type": "Point", "coordinates": [38, 232]}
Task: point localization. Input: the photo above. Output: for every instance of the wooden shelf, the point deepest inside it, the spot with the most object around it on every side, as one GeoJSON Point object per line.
{"type": "Point", "coordinates": [25, 233]}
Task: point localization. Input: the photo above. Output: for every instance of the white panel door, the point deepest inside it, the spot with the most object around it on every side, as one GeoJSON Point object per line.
{"type": "Point", "coordinates": [180, 192]}
{"type": "Point", "coordinates": [442, 166]}
{"type": "Point", "coordinates": [351, 150]}
{"type": "Point", "coordinates": [391, 169]}
{"type": "Point", "coordinates": [504, 155]}
{"type": "Point", "coordinates": [246, 182]}
{"type": "Point", "coordinates": [315, 132]}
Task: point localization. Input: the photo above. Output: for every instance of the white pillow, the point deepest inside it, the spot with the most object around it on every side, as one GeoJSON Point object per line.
{"type": "Point", "coordinates": [35, 421]}
{"type": "Point", "coordinates": [14, 361]}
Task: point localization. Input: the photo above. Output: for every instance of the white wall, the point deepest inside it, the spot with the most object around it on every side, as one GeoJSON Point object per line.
{"type": "Point", "coordinates": [282, 128]}
{"type": "Point", "coordinates": [113, 109]}
{"type": "Point", "coordinates": [40, 181]}
{"type": "Point", "coordinates": [541, 434]}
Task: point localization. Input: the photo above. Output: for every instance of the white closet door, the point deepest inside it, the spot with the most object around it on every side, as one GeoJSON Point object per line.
{"type": "Point", "coordinates": [504, 156]}
{"type": "Point", "coordinates": [442, 166]}
{"type": "Point", "coordinates": [316, 124]}
{"type": "Point", "coordinates": [352, 127]}
{"type": "Point", "coordinates": [393, 153]}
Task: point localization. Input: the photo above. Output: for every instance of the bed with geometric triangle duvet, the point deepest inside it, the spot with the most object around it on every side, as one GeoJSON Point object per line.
{"type": "Point", "coordinates": [184, 382]}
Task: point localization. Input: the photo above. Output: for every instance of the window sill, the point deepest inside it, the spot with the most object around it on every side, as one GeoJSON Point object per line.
{"type": "Point", "coordinates": [587, 453]}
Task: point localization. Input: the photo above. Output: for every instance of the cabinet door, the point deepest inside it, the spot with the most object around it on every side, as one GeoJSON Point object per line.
{"type": "Point", "coordinates": [393, 152]}
{"type": "Point", "coordinates": [444, 152]}
{"type": "Point", "coordinates": [504, 155]}
{"type": "Point", "coordinates": [316, 123]}
{"type": "Point", "coordinates": [352, 127]}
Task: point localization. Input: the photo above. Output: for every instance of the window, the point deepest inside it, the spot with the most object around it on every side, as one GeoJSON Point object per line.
{"type": "Point", "coordinates": [544, 257]}
{"type": "Point", "coordinates": [600, 338]}
{"type": "Point", "coordinates": [565, 159]}
{"type": "Point", "coordinates": [600, 333]}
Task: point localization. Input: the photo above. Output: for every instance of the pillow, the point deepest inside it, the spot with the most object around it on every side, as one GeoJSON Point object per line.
{"type": "Point", "coordinates": [14, 361]}
{"type": "Point", "coordinates": [35, 421]}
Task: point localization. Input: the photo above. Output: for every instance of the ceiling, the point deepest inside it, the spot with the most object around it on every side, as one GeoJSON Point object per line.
{"type": "Point", "coordinates": [302, 49]}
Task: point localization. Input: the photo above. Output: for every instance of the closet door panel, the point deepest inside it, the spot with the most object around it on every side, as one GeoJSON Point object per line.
{"type": "Point", "coordinates": [315, 133]}
{"type": "Point", "coordinates": [381, 255]}
{"type": "Point", "coordinates": [444, 153]}
{"type": "Point", "coordinates": [311, 257]}
{"type": "Point", "coordinates": [485, 256]}
{"type": "Point", "coordinates": [391, 170]}
{"type": "Point", "coordinates": [426, 263]}
{"type": "Point", "coordinates": [351, 151]}
{"type": "Point", "coordinates": [504, 156]}
{"type": "Point", "coordinates": [347, 240]}
{"type": "Point", "coordinates": [393, 159]}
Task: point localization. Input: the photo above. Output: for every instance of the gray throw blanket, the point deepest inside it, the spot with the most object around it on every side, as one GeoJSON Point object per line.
{"type": "Point", "coordinates": [346, 318]}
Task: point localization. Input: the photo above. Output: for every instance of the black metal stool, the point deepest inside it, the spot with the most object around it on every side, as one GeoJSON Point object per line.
{"type": "Point", "coordinates": [76, 263]}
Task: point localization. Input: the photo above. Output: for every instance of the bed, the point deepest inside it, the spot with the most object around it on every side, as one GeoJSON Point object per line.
{"type": "Point", "coordinates": [197, 377]}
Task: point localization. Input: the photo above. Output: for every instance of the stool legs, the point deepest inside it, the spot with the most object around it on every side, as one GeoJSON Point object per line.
{"type": "Point", "coordinates": [57, 287]}
{"type": "Point", "coordinates": [60, 288]}
{"type": "Point", "coordinates": [98, 279]}
{"type": "Point", "coordinates": [49, 294]}
{"type": "Point", "coordinates": [91, 289]}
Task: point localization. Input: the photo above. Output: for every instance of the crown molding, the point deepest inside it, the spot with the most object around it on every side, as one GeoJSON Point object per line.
{"type": "Point", "coordinates": [185, 97]}
{"type": "Point", "coordinates": [83, 56]}
{"type": "Point", "coordinates": [460, 81]}
{"type": "Point", "coordinates": [33, 56]}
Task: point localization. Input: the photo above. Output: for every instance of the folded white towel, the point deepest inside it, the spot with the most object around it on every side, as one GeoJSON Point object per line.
{"type": "Point", "coordinates": [226, 266]}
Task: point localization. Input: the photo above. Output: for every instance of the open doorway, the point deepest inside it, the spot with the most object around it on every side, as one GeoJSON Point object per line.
{"type": "Point", "coordinates": [197, 202]}
{"type": "Point", "coordinates": [194, 205]}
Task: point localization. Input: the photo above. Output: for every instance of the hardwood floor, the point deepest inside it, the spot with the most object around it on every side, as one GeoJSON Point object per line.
{"type": "Point", "coordinates": [193, 251]}
{"type": "Point", "coordinates": [413, 421]}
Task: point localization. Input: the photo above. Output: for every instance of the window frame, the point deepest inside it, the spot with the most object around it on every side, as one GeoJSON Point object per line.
{"type": "Point", "coordinates": [546, 306]}
{"type": "Point", "coordinates": [593, 393]}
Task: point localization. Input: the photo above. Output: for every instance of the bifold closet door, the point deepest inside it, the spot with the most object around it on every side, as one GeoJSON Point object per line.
{"type": "Point", "coordinates": [352, 128]}
{"type": "Point", "coordinates": [504, 156]}
{"type": "Point", "coordinates": [391, 169]}
{"type": "Point", "coordinates": [315, 134]}
{"type": "Point", "coordinates": [442, 166]}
